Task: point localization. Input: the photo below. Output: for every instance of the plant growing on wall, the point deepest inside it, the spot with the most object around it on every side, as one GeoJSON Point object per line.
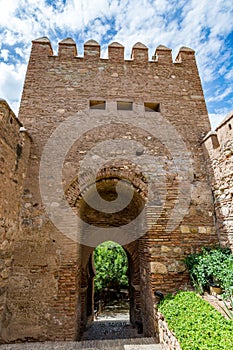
{"type": "Point", "coordinates": [212, 266]}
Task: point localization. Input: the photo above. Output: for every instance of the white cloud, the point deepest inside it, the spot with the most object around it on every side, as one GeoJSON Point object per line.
{"type": "Point", "coordinates": [229, 75]}
{"type": "Point", "coordinates": [201, 25]}
{"type": "Point", "coordinates": [8, 8]}
{"type": "Point", "coordinates": [19, 51]}
{"type": "Point", "coordinates": [220, 96]}
{"type": "Point", "coordinates": [11, 83]}
{"type": "Point", "coordinates": [4, 54]}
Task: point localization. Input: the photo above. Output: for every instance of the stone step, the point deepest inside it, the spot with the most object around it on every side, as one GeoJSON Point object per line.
{"type": "Point", "coordinates": [119, 344]}
{"type": "Point", "coordinates": [115, 329]}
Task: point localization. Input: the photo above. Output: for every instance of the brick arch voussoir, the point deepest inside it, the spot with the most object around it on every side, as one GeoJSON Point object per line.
{"type": "Point", "coordinates": [73, 192]}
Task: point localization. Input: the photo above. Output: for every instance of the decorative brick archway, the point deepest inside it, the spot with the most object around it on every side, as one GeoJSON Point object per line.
{"type": "Point", "coordinates": [106, 185]}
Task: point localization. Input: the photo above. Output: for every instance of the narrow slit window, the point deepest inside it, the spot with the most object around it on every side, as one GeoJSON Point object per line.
{"type": "Point", "coordinates": [215, 142]}
{"type": "Point", "coordinates": [152, 107]}
{"type": "Point", "coordinates": [97, 104]}
{"type": "Point", "coordinates": [124, 106]}
{"type": "Point", "coordinates": [229, 126]}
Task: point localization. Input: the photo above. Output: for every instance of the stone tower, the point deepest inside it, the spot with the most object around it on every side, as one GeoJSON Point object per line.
{"type": "Point", "coordinates": [143, 121]}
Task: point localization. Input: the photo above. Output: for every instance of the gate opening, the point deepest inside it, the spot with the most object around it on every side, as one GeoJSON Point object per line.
{"type": "Point", "coordinates": [135, 287]}
{"type": "Point", "coordinates": [111, 282]}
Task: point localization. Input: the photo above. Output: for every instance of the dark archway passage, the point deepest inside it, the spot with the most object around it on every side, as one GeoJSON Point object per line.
{"type": "Point", "coordinates": [131, 241]}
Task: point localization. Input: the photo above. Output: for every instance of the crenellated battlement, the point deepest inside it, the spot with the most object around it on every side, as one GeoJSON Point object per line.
{"type": "Point", "coordinates": [174, 85]}
{"type": "Point", "coordinates": [67, 49]}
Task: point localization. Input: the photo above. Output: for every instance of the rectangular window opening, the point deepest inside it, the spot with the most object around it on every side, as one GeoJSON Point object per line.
{"type": "Point", "coordinates": [124, 106]}
{"type": "Point", "coordinates": [152, 107]}
{"type": "Point", "coordinates": [215, 142]}
{"type": "Point", "coordinates": [97, 104]}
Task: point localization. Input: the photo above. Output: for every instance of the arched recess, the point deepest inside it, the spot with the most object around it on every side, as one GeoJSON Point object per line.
{"type": "Point", "coordinates": [93, 219]}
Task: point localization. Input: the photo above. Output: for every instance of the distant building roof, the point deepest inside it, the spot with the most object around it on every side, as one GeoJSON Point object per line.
{"type": "Point", "coordinates": [225, 120]}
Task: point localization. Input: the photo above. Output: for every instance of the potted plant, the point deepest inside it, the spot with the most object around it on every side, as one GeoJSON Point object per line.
{"type": "Point", "coordinates": [214, 287]}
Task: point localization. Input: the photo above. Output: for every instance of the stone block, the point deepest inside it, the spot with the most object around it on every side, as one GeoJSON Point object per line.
{"type": "Point", "coordinates": [157, 267]}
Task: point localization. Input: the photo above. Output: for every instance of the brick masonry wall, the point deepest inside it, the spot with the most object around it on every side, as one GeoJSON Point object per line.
{"type": "Point", "coordinates": [219, 152]}
{"type": "Point", "coordinates": [58, 87]}
{"type": "Point", "coordinates": [14, 152]}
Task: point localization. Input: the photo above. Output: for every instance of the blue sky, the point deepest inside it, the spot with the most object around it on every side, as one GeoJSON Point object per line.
{"type": "Point", "coordinates": [204, 25]}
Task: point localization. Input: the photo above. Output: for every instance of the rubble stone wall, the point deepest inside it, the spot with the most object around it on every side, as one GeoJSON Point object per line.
{"type": "Point", "coordinates": [14, 153]}
{"type": "Point", "coordinates": [219, 154]}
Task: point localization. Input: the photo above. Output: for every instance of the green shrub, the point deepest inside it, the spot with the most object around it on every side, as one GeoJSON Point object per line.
{"type": "Point", "coordinates": [195, 323]}
{"type": "Point", "coordinates": [211, 267]}
{"type": "Point", "coordinates": [111, 264]}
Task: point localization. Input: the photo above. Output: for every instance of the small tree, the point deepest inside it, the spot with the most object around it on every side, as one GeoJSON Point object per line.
{"type": "Point", "coordinates": [111, 264]}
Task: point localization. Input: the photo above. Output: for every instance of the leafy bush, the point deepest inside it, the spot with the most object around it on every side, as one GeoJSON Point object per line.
{"type": "Point", "coordinates": [195, 323]}
{"type": "Point", "coordinates": [211, 267]}
{"type": "Point", "coordinates": [111, 264]}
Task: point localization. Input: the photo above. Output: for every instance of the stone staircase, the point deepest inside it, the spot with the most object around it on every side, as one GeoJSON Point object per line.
{"type": "Point", "coordinates": [113, 344]}
{"type": "Point", "coordinates": [114, 329]}
{"type": "Point", "coordinates": [101, 335]}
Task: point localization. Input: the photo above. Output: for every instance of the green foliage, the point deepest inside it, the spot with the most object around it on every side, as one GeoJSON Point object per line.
{"type": "Point", "coordinates": [111, 264]}
{"type": "Point", "coordinates": [195, 323]}
{"type": "Point", "coordinates": [212, 267]}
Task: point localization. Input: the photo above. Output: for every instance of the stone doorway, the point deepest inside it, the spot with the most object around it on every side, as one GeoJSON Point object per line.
{"type": "Point", "coordinates": [87, 286]}
{"type": "Point", "coordinates": [98, 227]}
